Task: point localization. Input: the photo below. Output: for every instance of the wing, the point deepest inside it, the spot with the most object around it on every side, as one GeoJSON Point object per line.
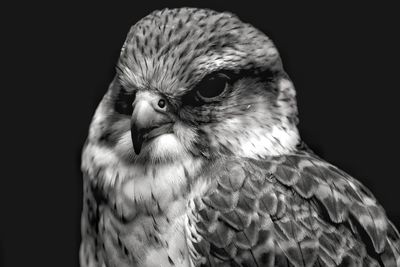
{"type": "Point", "coordinates": [294, 210]}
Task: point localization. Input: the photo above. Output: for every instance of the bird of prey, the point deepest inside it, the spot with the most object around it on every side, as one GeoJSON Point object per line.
{"type": "Point", "coordinates": [193, 158]}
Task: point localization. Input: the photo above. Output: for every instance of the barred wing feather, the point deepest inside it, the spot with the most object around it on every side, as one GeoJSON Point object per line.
{"type": "Point", "coordinates": [293, 210]}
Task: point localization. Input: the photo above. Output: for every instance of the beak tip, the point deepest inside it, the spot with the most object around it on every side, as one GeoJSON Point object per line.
{"type": "Point", "coordinates": [137, 141]}
{"type": "Point", "coordinates": [137, 148]}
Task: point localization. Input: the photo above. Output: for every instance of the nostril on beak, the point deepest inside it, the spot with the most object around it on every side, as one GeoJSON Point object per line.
{"type": "Point", "coordinates": [161, 103]}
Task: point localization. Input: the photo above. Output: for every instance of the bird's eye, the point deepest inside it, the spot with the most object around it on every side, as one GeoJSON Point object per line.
{"type": "Point", "coordinates": [210, 89]}
{"type": "Point", "coordinates": [212, 86]}
{"type": "Point", "coordinates": [123, 103]}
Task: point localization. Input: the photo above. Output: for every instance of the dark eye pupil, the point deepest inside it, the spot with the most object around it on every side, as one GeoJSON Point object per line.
{"type": "Point", "coordinates": [212, 86]}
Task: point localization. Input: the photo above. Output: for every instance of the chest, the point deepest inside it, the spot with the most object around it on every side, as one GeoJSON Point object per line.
{"type": "Point", "coordinates": [142, 213]}
{"type": "Point", "coordinates": [147, 235]}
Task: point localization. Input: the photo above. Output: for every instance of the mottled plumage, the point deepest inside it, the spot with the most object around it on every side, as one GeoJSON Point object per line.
{"type": "Point", "coordinates": [292, 210]}
{"type": "Point", "coordinates": [194, 159]}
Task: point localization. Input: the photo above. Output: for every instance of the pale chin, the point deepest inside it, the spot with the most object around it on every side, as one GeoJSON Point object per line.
{"type": "Point", "coordinates": [163, 148]}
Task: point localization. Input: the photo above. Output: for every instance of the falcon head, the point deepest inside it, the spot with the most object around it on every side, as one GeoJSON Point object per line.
{"type": "Point", "coordinates": [196, 83]}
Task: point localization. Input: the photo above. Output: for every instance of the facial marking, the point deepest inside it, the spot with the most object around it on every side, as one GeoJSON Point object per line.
{"type": "Point", "coordinates": [163, 55]}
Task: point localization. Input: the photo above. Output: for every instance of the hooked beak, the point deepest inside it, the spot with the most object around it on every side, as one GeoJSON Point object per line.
{"type": "Point", "coordinates": [149, 119]}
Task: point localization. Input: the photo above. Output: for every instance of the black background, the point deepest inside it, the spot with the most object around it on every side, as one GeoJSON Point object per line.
{"type": "Point", "coordinates": [59, 59]}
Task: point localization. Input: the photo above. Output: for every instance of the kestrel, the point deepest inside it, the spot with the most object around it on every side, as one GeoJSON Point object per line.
{"type": "Point", "coordinates": [194, 159]}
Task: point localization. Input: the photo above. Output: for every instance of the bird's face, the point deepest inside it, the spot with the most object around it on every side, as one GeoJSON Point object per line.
{"type": "Point", "coordinates": [196, 83]}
